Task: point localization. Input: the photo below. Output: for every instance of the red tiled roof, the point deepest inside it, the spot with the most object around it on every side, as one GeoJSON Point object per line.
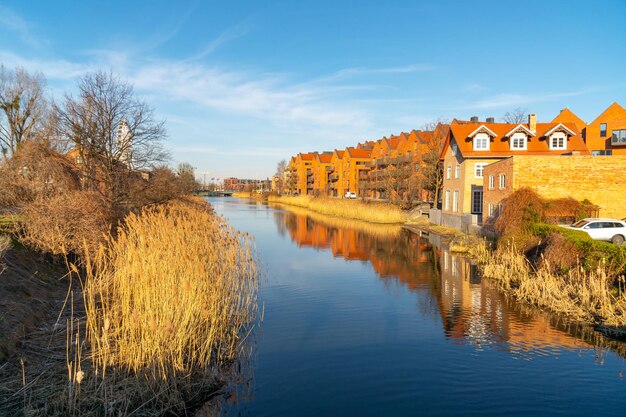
{"type": "Point", "coordinates": [499, 145]}
{"type": "Point", "coordinates": [358, 153]}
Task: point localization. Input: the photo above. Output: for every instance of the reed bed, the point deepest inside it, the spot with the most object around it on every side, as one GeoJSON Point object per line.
{"type": "Point", "coordinates": [163, 322]}
{"type": "Point", "coordinates": [374, 212]}
{"type": "Point", "coordinates": [384, 231]}
{"type": "Point", "coordinates": [595, 295]}
{"type": "Point", "coordinates": [172, 293]}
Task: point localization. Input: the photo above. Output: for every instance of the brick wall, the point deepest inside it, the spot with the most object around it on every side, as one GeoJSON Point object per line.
{"type": "Point", "coordinates": [496, 194]}
{"type": "Point", "coordinates": [601, 179]}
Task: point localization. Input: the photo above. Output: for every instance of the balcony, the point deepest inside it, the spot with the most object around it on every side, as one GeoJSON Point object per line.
{"type": "Point", "coordinates": [333, 177]}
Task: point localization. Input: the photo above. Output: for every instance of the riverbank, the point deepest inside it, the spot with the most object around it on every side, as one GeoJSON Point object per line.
{"type": "Point", "coordinates": [145, 333]}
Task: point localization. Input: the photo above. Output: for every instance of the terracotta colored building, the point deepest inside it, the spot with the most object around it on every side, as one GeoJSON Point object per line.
{"type": "Point", "coordinates": [321, 168]}
{"type": "Point", "coordinates": [606, 135]}
{"type": "Point", "coordinates": [473, 145]}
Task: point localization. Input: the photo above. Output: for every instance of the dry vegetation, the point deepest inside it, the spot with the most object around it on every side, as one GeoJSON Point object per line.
{"type": "Point", "coordinates": [168, 305]}
{"type": "Point", "coordinates": [373, 212]}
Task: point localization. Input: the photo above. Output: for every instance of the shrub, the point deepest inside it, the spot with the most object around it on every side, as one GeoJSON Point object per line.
{"type": "Point", "coordinates": [67, 223]}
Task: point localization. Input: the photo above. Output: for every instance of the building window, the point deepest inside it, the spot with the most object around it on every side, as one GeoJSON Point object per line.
{"type": "Point", "coordinates": [502, 181]}
{"type": "Point", "coordinates": [454, 148]}
{"type": "Point", "coordinates": [477, 201]}
{"type": "Point", "coordinates": [447, 202]}
{"type": "Point", "coordinates": [558, 141]}
{"type": "Point", "coordinates": [481, 142]}
{"type": "Point", "coordinates": [518, 142]}
{"type": "Point", "coordinates": [490, 209]}
{"type": "Point", "coordinates": [492, 182]}
{"type": "Point", "coordinates": [448, 172]}
{"type": "Point", "coordinates": [457, 171]}
{"type": "Point", "coordinates": [479, 169]}
{"type": "Point", "coordinates": [618, 137]}
{"type": "Point", "coordinates": [455, 201]}
{"type": "Point", "coordinates": [604, 152]}
{"type": "Point", "coordinates": [602, 130]}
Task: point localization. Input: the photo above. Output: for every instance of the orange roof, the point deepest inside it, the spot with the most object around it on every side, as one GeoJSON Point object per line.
{"type": "Point", "coordinates": [339, 153]}
{"type": "Point", "coordinates": [324, 158]}
{"type": "Point", "coordinates": [307, 156]}
{"type": "Point", "coordinates": [499, 145]}
{"type": "Point", "coordinates": [567, 116]}
{"type": "Point", "coordinates": [358, 153]}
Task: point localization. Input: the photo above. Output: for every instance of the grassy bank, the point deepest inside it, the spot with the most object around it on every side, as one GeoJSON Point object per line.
{"type": "Point", "coordinates": [374, 212]}
{"type": "Point", "coordinates": [166, 309]}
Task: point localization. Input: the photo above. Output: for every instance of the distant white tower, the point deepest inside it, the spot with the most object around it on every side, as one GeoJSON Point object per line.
{"type": "Point", "coordinates": [125, 143]}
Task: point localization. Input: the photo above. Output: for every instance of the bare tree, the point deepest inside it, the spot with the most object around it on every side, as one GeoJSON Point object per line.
{"type": "Point", "coordinates": [114, 134]}
{"type": "Point", "coordinates": [23, 107]}
{"type": "Point", "coordinates": [280, 176]}
{"type": "Point", "coordinates": [187, 177]}
{"type": "Point", "coordinates": [517, 116]}
{"type": "Point", "coordinates": [431, 171]}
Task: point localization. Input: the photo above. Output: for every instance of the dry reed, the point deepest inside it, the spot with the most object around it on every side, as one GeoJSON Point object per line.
{"type": "Point", "coordinates": [592, 296]}
{"type": "Point", "coordinates": [374, 212]}
{"type": "Point", "coordinates": [172, 293]}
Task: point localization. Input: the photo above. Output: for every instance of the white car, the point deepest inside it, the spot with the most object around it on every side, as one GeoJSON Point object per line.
{"type": "Point", "coordinates": [349, 194]}
{"type": "Point", "coordinates": [610, 230]}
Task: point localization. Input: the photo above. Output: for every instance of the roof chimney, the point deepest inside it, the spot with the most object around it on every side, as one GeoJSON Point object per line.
{"type": "Point", "coordinates": [474, 119]}
{"type": "Point", "coordinates": [490, 120]}
{"type": "Point", "coordinates": [532, 123]}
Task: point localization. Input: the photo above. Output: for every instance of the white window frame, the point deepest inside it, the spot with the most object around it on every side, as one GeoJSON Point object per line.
{"type": "Point", "coordinates": [457, 171]}
{"type": "Point", "coordinates": [448, 172]}
{"type": "Point", "coordinates": [447, 201]}
{"type": "Point", "coordinates": [479, 168]}
{"type": "Point", "coordinates": [492, 182]}
{"type": "Point", "coordinates": [502, 181]}
{"type": "Point", "coordinates": [454, 148]}
{"type": "Point", "coordinates": [481, 142]}
{"type": "Point", "coordinates": [490, 209]}
{"type": "Point", "coordinates": [518, 141]}
{"type": "Point", "coordinates": [558, 141]}
{"type": "Point", "coordinates": [478, 193]}
{"type": "Point", "coordinates": [455, 201]}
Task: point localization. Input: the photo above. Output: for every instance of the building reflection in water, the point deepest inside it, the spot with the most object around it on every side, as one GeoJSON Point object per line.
{"type": "Point", "coordinates": [473, 311]}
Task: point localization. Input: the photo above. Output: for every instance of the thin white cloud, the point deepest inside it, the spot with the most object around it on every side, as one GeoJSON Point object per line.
{"type": "Point", "coordinates": [507, 100]}
{"type": "Point", "coordinates": [225, 37]}
{"type": "Point", "coordinates": [13, 22]}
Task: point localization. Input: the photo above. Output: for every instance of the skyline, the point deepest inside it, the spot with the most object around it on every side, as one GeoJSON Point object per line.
{"type": "Point", "coordinates": [243, 87]}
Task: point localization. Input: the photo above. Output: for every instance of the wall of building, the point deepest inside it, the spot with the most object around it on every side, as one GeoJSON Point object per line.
{"type": "Point", "coordinates": [615, 118]}
{"type": "Point", "coordinates": [599, 179]}
{"type": "Point", "coordinates": [497, 194]}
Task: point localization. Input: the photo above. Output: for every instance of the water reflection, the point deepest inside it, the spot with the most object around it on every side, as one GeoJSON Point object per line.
{"type": "Point", "coordinates": [473, 311]}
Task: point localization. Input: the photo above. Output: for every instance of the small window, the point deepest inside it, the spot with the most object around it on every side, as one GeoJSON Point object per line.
{"type": "Point", "coordinates": [490, 209]}
{"type": "Point", "coordinates": [558, 141]}
{"type": "Point", "coordinates": [518, 142]}
{"type": "Point", "coordinates": [492, 182]}
{"type": "Point", "coordinates": [455, 201]}
{"type": "Point", "coordinates": [481, 142]}
{"type": "Point", "coordinates": [447, 202]}
{"type": "Point", "coordinates": [502, 181]}
{"type": "Point", "coordinates": [457, 171]}
{"type": "Point", "coordinates": [479, 170]}
{"type": "Point", "coordinates": [454, 148]}
{"type": "Point", "coordinates": [448, 172]}
{"type": "Point", "coordinates": [603, 152]}
{"type": "Point", "coordinates": [602, 130]}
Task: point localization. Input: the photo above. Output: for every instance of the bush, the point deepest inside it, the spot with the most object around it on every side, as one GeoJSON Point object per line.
{"type": "Point", "coordinates": [69, 223]}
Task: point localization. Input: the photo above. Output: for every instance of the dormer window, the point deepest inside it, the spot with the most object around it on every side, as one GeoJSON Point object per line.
{"type": "Point", "coordinates": [518, 141]}
{"type": "Point", "coordinates": [558, 141]}
{"type": "Point", "coordinates": [481, 142]}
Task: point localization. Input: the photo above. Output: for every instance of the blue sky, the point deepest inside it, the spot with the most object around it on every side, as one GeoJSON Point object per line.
{"type": "Point", "coordinates": [244, 84]}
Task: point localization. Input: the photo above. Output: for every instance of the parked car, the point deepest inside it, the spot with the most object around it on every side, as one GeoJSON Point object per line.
{"type": "Point", "coordinates": [349, 194]}
{"type": "Point", "coordinates": [610, 230]}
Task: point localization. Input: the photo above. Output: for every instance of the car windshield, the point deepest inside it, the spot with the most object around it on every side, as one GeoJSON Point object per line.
{"type": "Point", "coordinates": [580, 223]}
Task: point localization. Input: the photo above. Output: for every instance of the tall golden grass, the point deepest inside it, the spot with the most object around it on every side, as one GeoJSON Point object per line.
{"type": "Point", "coordinates": [173, 292]}
{"type": "Point", "coordinates": [593, 296]}
{"type": "Point", "coordinates": [374, 212]}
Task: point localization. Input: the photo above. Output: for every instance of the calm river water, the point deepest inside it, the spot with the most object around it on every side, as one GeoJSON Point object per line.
{"type": "Point", "coordinates": [367, 320]}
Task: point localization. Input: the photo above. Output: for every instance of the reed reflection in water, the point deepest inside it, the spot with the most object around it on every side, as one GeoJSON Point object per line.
{"type": "Point", "coordinates": [473, 311]}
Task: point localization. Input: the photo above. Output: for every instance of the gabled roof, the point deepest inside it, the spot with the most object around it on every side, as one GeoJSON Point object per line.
{"type": "Point", "coordinates": [499, 144]}
{"type": "Point", "coordinates": [613, 107]}
{"type": "Point", "coordinates": [558, 127]}
{"type": "Point", "coordinates": [482, 129]}
{"type": "Point", "coordinates": [520, 128]}
{"type": "Point", "coordinates": [323, 158]}
{"type": "Point", "coordinates": [567, 116]}
{"type": "Point", "coordinates": [307, 156]}
{"type": "Point", "coordinates": [358, 153]}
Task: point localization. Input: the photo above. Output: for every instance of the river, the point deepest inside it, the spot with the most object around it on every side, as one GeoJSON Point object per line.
{"type": "Point", "coordinates": [371, 320]}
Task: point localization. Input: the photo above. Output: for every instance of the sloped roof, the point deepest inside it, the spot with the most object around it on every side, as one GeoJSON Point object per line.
{"type": "Point", "coordinates": [567, 116]}
{"type": "Point", "coordinates": [324, 158]}
{"type": "Point", "coordinates": [358, 153]}
{"type": "Point", "coordinates": [499, 145]}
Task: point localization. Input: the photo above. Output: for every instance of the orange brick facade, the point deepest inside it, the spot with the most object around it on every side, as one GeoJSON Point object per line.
{"type": "Point", "coordinates": [598, 179]}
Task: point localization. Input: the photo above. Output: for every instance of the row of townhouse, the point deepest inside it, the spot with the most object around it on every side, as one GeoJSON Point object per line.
{"type": "Point", "coordinates": [484, 162]}
{"type": "Point", "coordinates": [385, 168]}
